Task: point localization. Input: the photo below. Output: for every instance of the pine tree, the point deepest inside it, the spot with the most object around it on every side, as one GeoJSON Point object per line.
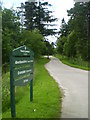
{"type": "Point", "coordinates": [64, 30]}
{"type": "Point", "coordinates": [38, 16]}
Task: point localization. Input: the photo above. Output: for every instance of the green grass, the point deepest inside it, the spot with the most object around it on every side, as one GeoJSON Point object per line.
{"type": "Point", "coordinates": [74, 62]}
{"type": "Point", "coordinates": [46, 99]}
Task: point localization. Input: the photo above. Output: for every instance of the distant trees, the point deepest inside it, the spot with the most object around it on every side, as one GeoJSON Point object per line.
{"type": "Point", "coordinates": [48, 48]}
{"type": "Point", "coordinates": [76, 42]}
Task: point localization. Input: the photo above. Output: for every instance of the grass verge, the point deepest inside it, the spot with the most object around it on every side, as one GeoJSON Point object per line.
{"type": "Point", "coordinates": [74, 62]}
{"type": "Point", "coordinates": [47, 96]}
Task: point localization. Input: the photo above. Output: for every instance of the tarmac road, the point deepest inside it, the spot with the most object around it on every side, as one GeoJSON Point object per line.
{"type": "Point", "coordinates": [74, 85]}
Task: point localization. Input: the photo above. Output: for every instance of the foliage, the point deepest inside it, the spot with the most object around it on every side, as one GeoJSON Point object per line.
{"type": "Point", "coordinates": [79, 24]}
{"type": "Point", "coordinates": [48, 48]}
{"type": "Point", "coordinates": [10, 33]}
{"type": "Point", "coordinates": [60, 44]}
{"type": "Point", "coordinates": [74, 62]}
{"type": "Point", "coordinates": [34, 40]}
{"type": "Point", "coordinates": [64, 29]}
{"type": "Point", "coordinates": [77, 32]}
{"type": "Point", "coordinates": [13, 36]}
{"type": "Point", "coordinates": [37, 17]}
{"type": "Point", "coordinates": [70, 45]}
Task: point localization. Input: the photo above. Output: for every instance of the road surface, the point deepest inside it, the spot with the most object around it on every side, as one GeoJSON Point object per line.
{"type": "Point", "coordinates": [74, 85]}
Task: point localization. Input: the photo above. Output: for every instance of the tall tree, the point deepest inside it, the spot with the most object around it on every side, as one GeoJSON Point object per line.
{"type": "Point", "coordinates": [78, 20]}
{"type": "Point", "coordinates": [60, 44]}
{"type": "Point", "coordinates": [30, 15]}
{"type": "Point", "coordinates": [38, 16]}
{"type": "Point", "coordinates": [77, 43]}
{"type": "Point", "coordinates": [64, 29]}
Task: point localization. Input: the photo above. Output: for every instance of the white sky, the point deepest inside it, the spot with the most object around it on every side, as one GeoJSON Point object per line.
{"type": "Point", "coordinates": [59, 7]}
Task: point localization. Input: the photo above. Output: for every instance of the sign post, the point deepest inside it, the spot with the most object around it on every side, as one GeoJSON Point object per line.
{"type": "Point", "coordinates": [12, 88]}
{"type": "Point", "coordinates": [31, 90]}
{"type": "Point", "coordinates": [21, 72]}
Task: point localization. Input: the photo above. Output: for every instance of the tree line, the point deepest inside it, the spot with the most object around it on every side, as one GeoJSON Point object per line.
{"type": "Point", "coordinates": [27, 25]}
{"type": "Point", "coordinates": [74, 37]}
{"type": "Point", "coordinates": [32, 22]}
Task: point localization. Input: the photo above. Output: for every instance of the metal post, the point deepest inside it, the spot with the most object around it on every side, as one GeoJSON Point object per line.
{"type": "Point", "coordinates": [31, 90]}
{"type": "Point", "coordinates": [31, 85]}
{"type": "Point", "coordinates": [12, 88]}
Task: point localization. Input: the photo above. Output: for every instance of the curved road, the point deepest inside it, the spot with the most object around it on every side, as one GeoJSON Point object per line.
{"type": "Point", "coordinates": [74, 85]}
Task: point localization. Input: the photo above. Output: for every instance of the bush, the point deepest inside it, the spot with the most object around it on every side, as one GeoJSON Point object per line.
{"type": "Point", "coordinates": [60, 44]}
{"type": "Point", "coordinates": [33, 40]}
{"type": "Point", "coordinates": [70, 45]}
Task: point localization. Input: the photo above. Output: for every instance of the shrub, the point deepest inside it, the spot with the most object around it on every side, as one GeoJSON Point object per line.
{"type": "Point", "coordinates": [33, 40]}
{"type": "Point", "coordinates": [60, 44]}
{"type": "Point", "coordinates": [70, 45]}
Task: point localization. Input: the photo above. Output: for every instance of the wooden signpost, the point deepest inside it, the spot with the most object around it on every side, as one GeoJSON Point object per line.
{"type": "Point", "coordinates": [21, 72]}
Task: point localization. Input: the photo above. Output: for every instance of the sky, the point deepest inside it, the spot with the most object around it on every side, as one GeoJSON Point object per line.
{"type": "Point", "coordinates": [59, 7]}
